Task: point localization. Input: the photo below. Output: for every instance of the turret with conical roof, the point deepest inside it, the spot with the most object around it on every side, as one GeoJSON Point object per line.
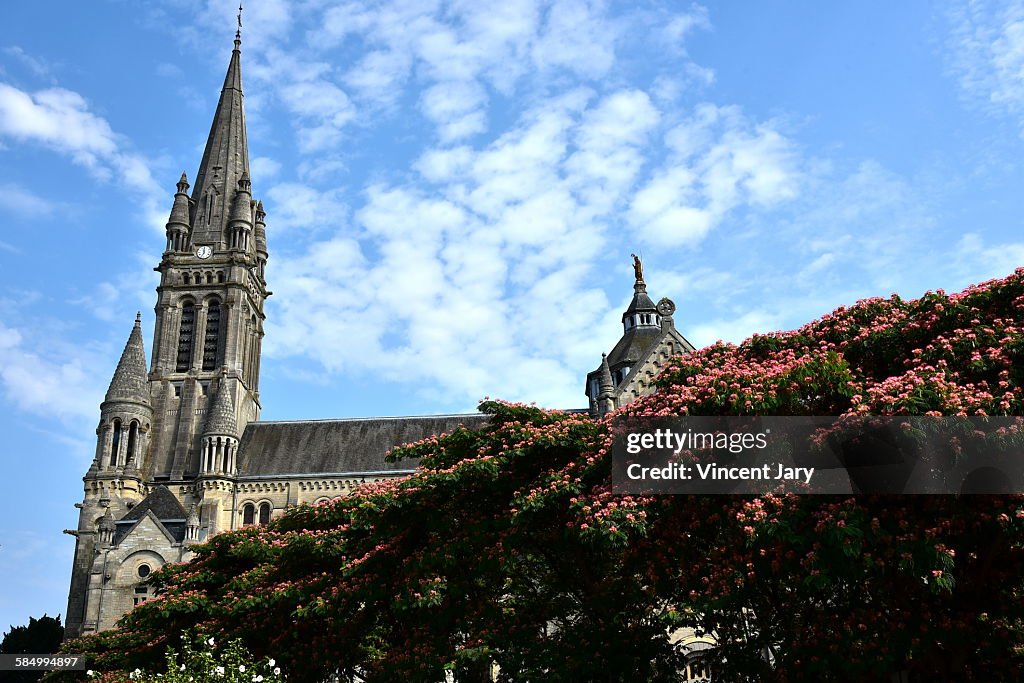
{"type": "Point", "coordinates": [220, 437]}
{"type": "Point", "coordinates": [129, 382]}
{"type": "Point", "coordinates": [240, 225]}
{"type": "Point", "coordinates": [178, 223]}
{"type": "Point", "coordinates": [260, 236]}
{"type": "Point", "coordinates": [127, 412]}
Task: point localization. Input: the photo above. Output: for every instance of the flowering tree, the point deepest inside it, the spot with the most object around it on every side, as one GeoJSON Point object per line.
{"type": "Point", "coordinates": [507, 555]}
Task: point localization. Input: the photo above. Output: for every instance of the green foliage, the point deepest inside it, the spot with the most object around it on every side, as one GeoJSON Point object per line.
{"type": "Point", "coordinates": [40, 636]}
{"type": "Point", "coordinates": [201, 661]}
{"type": "Point", "coordinates": [506, 551]}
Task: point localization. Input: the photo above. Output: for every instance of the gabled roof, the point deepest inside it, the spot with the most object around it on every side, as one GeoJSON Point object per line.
{"type": "Point", "coordinates": [162, 503]}
{"type": "Point", "coordinates": [173, 531]}
{"type": "Point", "coordinates": [634, 346]}
{"type": "Point", "coordinates": [635, 366]}
{"type": "Point", "coordinates": [338, 446]}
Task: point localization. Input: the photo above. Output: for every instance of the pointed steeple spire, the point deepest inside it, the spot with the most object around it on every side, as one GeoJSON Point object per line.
{"type": "Point", "coordinates": [225, 159]}
{"type": "Point", "coordinates": [130, 382]}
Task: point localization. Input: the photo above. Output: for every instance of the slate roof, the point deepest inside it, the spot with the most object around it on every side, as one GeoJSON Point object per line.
{"type": "Point", "coordinates": [641, 302]}
{"type": "Point", "coordinates": [164, 506]}
{"type": "Point", "coordinates": [337, 446]}
{"type": "Point", "coordinates": [634, 345]}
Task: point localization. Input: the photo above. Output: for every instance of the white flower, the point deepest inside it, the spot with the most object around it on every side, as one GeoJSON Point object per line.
{"type": "Point", "coordinates": [210, 641]}
{"type": "Point", "coordinates": [277, 671]}
{"type": "Point", "coordinates": [219, 670]}
{"type": "Point", "coordinates": [90, 673]}
{"type": "Point", "coordinates": [271, 663]}
{"type": "Point", "coordinates": [259, 678]}
{"type": "Point", "coordinates": [241, 668]}
{"type": "Point", "coordinates": [181, 668]}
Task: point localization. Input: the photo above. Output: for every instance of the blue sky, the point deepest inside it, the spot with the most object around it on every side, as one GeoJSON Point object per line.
{"type": "Point", "coordinates": [453, 191]}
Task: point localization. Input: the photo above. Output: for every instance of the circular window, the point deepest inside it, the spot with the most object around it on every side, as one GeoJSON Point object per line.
{"type": "Point", "coordinates": [143, 571]}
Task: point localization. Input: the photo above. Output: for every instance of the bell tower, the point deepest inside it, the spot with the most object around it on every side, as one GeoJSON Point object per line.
{"type": "Point", "coordinates": [209, 310]}
{"type": "Point", "coordinates": [167, 440]}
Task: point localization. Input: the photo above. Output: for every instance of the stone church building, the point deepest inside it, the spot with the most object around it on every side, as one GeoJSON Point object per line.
{"type": "Point", "coordinates": [181, 453]}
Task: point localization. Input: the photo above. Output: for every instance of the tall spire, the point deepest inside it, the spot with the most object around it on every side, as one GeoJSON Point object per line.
{"type": "Point", "coordinates": [130, 382]}
{"type": "Point", "coordinates": [225, 159]}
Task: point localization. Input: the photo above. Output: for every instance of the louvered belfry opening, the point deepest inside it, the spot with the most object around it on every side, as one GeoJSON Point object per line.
{"type": "Point", "coordinates": [211, 344]}
{"type": "Point", "coordinates": [185, 334]}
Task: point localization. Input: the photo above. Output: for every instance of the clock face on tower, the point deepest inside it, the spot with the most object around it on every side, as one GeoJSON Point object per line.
{"type": "Point", "coordinates": [205, 251]}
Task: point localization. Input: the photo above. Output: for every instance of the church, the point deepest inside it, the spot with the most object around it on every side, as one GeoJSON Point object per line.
{"type": "Point", "coordinates": [181, 452]}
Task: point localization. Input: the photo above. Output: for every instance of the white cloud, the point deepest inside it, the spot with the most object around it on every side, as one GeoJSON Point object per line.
{"type": "Point", "coordinates": [293, 205]}
{"type": "Point", "coordinates": [734, 328]}
{"type": "Point", "coordinates": [19, 200]}
{"type": "Point", "coordinates": [60, 120]}
{"type": "Point", "coordinates": [456, 109]}
{"type": "Point", "coordinates": [264, 168]}
{"type": "Point", "coordinates": [62, 384]}
{"type": "Point", "coordinates": [720, 159]}
{"type": "Point", "coordinates": [129, 292]}
{"type": "Point", "coordinates": [987, 55]}
{"type": "Point", "coordinates": [470, 276]}
{"type": "Point", "coordinates": [980, 260]}
{"type": "Point", "coordinates": [455, 53]}
{"type": "Point", "coordinates": [38, 67]}
{"type": "Point", "coordinates": [576, 35]}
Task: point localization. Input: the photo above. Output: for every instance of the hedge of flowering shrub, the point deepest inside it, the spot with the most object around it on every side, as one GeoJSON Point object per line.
{"type": "Point", "coordinates": [507, 551]}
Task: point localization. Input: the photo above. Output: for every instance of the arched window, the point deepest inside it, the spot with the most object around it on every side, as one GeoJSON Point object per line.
{"type": "Point", "coordinates": [248, 514]}
{"type": "Point", "coordinates": [220, 276]}
{"type": "Point", "coordinates": [211, 344]}
{"type": "Point", "coordinates": [133, 439]}
{"type": "Point", "coordinates": [116, 445]}
{"type": "Point", "coordinates": [187, 278]}
{"type": "Point", "coordinates": [264, 514]}
{"type": "Point", "coordinates": [185, 334]}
